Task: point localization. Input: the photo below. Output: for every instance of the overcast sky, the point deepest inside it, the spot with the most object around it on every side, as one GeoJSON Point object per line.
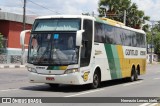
{"type": "Point", "coordinates": [150, 7]}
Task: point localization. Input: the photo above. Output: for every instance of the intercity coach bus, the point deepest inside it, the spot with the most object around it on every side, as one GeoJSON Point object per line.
{"type": "Point", "coordinates": [78, 50]}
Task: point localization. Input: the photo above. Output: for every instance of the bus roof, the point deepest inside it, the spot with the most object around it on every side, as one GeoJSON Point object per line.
{"type": "Point", "coordinates": [98, 19]}
{"type": "Point", "coordinates": [66, 16]}
{"type": "Point", "coordinates": [117, 24]}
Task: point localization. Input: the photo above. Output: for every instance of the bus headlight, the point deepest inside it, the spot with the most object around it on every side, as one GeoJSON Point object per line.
{"type": "Point", "coordinates": [31, 69]}
{"type": "Point", "coordinates": [71, 71]}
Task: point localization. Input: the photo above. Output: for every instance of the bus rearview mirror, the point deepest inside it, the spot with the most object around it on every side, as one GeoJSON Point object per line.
{"type": "Point", "coordinates": [79, 37]}
{"type": "Point", "coordinates": [22, 36]}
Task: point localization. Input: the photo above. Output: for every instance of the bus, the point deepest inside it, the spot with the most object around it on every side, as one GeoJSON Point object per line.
{"type": "Point", "coordinates": [79, 49]}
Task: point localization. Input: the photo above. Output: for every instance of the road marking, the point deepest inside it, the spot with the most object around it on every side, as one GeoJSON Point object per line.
{"type": "Point", "coordinates": [85, 93]}
{"type": "Point", "coordinates": [145, 104]}
{"type": "Point", "coordinates": [154, 104]}
{"type": "Point", "coordinates": [148, 104]}
{"type": "Point", "coordinates": [156, 78]}
{"type": "Point", "coordinates": [133, 83]}
{"type": "Point", "coordinates": [8, 90]}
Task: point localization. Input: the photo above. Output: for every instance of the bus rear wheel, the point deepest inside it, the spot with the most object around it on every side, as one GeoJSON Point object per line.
{"type": "Point", "coordinates": [96, 80]}
{"type": "Point", "coordinates": [134, 75]}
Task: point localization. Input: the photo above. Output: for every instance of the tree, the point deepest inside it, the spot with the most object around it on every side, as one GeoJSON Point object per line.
{"type": "Point", "coordinates": [156, 40]}
{"type": "Point", "coordinates": [135, 18]}
{"type": "Point", "coordinates": [155, 37]}
{"type": "Point", "coordinates": [115, 7]}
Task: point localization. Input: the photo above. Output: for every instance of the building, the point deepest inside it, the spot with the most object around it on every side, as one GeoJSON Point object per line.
{"type": "Point", "coordinates": [10, 26]}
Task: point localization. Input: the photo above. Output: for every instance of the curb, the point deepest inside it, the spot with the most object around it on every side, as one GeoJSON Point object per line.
{"type": "Point", "coordinates": [12, 66]}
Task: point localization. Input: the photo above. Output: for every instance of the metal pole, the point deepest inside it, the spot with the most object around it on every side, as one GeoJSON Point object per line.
{"type": "Point", "coordinates": [105, 13]}
{"type": "Point", "coordinates": [151, 43]}
{"type": "Point", "coordinates": [24, 24]}
{"type": "Point", "coordinates": [24, 15]}
{"type": "Point", "coordinates": [93, 13]}
{"type": "Point", "coordinates": [124, 18]}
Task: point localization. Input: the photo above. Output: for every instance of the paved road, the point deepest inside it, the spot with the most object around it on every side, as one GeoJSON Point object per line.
{"type": "Point", "coordinates": [14, 83]}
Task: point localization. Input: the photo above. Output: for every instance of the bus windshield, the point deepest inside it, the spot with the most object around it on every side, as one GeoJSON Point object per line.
{"type": "Point", "coordinates": [53, 49]}
{"type": "Point", "coordinates": [56, 25]}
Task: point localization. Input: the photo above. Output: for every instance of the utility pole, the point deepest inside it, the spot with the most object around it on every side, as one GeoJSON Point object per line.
{"type": "Point", "coordinates": [151, 44]}
{"type": "Point", "coordinates": [124, 18]}
{"type": "Point", "coordinates": [93, 13]}
{"type": "Point", "coordinates": [24, 15]}
{"type": "Point", "coordinates": [24, 27]}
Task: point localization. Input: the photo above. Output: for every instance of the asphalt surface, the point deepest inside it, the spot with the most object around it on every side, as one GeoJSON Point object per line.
{"type": "Point", "coordinates": [14, 83]}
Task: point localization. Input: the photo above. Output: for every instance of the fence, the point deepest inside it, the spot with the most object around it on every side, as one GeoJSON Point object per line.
{"type": "Point", "coordinates": [11, 59]}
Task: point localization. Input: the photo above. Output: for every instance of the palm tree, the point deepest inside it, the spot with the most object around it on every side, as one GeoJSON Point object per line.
{"type": "Point", "coordinates": [135, 18]}
{"type": "Point", "coordinates": [112, 7]}
{"type": "Point", "coordinates": [116, 7]}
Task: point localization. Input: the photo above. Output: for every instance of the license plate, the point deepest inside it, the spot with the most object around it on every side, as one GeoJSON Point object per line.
{"type": "Point", "coordinates": [50, 78]}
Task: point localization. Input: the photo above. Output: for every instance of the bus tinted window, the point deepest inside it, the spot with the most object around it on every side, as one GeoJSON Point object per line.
{"type": "Point", "coordinates": [110, 34]}
{"type": "Point", "coordinates": [134, 40]}
{"type": "Point", "coordinates": [128, 39]}
{"type": "Point", "coordinates": [118, 36]}
{"type": "Point", "coordinates": [104, 33]}
{"type": "Point", "coordinates": [99, 32]}
{"type": "Point", "coordinates": [114, 35]}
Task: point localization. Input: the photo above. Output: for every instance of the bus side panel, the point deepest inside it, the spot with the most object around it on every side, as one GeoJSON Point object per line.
{"type": "Point", "coordinates": [124, 63]}
{"type": "Point", "coordinates": [134, 58]}
{"type": "Point", "coordinates": [113, 60]}
{"type": "Point", "coordinates": [101, 60]}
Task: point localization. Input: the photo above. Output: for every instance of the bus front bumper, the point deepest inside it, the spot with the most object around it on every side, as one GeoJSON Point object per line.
{"type": "Point", "coordinates": [72, 78]}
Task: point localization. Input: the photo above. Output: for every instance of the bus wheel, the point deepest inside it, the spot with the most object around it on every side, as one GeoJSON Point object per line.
{"type": "Point", "coordinates": [134, 75]}
{"type": "Point", "coordinates": [96, 80]}
{"type": "Point", "coordinates": [54, 85]}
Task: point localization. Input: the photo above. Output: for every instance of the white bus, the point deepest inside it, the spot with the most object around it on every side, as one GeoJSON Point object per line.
{"type": "Point", "coordinates": [78, 50]}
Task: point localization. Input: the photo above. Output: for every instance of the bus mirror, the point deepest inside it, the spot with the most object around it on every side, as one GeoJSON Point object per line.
{"type": "Point", "coordinates": [79, 37]}
{"type": "Point", "coordinates": [22, 36]}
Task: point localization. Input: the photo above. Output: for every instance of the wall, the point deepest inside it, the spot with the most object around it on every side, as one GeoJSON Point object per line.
{"type": "Point", "coordinates": [14, 34]}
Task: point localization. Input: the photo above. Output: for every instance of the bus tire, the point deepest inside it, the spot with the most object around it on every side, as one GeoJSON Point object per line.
{"type": "Point", "coordinates": [134, 75]}
{"type": "Point", "coordinates": [96, 80]}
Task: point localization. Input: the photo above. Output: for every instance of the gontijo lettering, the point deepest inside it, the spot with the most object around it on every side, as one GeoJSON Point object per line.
{"type": "Point", "coordinates": [131, 52]}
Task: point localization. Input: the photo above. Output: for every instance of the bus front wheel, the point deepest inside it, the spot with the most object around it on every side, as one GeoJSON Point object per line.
{"type": "Point", "coordinates": [96, 80]}
{"type": "Point", "coordinates": [54, 86]}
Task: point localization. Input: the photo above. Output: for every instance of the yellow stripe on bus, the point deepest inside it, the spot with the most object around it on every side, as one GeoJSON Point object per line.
{"type": "Point", "coordinates": [126, 64]}
{"type": "Point", "coordinates": [63, 67]}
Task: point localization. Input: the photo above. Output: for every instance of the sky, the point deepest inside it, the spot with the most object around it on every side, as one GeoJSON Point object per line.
{"type": "Point", "coordinates": [51, 7]}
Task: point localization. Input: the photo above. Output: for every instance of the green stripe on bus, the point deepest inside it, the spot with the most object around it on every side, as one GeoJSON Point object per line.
{"type": "Point", "coordinates": [117, 61]}
{"type": "Point", "coordinates": [113, 60]}
{"type": "Point", "coordinates": [53, 68]}
{"type": "Point", "coordinates": [101, 21]}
